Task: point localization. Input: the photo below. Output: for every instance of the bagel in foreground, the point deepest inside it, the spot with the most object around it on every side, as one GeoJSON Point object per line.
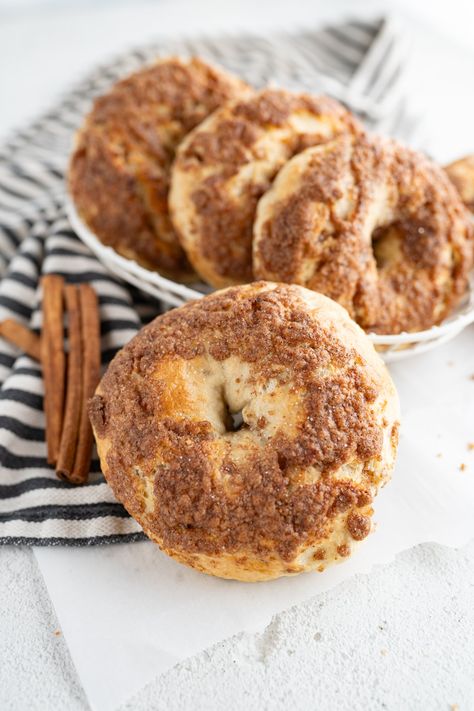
{"type": "Point", "coordinates": [371, 224]}
{"type": "Point", "coordinates": [289, 487]}
{"type": "Point", "coordinates": [225, 165]}
{"type": "Point", "coordinates": [119, 171]}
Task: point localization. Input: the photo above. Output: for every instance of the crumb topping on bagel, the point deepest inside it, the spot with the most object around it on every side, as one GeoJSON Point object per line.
{"type": "Point", "coordinates": [290, 486]}
{"type": "Point", "coordinates": [225, 165]}
{"type": "Point", "coordinates": [119, 171]}
{"type": "Point", "coordinates": [372, 224]}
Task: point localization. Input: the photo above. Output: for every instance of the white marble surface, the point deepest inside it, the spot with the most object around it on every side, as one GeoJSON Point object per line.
{"type": "Point", "coordinates": [400, 638]}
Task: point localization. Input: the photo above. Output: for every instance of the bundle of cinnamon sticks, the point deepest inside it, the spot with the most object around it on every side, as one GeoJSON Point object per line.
{"type": "Point", "coordinates": [71, 378]}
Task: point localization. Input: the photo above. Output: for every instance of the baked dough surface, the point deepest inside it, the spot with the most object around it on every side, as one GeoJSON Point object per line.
{"type": "Point", "coordinates": [371, 224]}
{"type": "Point", "coordinates": [119, 171]}
{"type": "Point", "coordinates": [461, 173]}
{"type": "Point", "coordinates": [224, 166]}
{"type": "Point", "coordinates": [287, 490]}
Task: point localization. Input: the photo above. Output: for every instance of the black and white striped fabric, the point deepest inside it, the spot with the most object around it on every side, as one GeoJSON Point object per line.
{"type": "Point", "coordinates": [360, 63]}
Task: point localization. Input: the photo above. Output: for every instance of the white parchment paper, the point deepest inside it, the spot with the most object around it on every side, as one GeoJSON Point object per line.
{"type": "Point", "coordinates": [129, 613]}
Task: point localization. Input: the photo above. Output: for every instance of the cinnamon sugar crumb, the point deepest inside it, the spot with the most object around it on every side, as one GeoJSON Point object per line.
{"type": "Point", "coordinates": [462, 467]}
{"type": "Point", "coordinates": [273, 333]}
{"type": "Point", "coordinates": [125, 150]}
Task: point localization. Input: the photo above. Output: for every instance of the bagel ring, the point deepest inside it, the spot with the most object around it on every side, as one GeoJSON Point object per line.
{"type": "Point", "coordinates": [227, 163]}
{"type": "Point", "coordinates": [119, 170]}
{"type": "Point", "coordinates": [287, 489]}
{"type": "Point", "coordinates": [371, 224]}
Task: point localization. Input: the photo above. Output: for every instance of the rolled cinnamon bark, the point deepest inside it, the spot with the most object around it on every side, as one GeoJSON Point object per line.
{"type": "Point", "coordinates": [22, 337]}
{"type": "Point", "coordinates": [90, 379]}
{"type": "Point", "coordinates": [54, 362]}
{"type": "Point", "coordinates": [72, 412]}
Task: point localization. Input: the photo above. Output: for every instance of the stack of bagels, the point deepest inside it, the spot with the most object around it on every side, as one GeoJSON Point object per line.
{"type": "Point", "coordinates": [192, 173]}
{"type": "Point", "coordinates": [249, 431]}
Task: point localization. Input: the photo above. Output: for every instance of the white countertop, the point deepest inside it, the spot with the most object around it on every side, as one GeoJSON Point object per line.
{"type": "Point", "coordinates": [399, 638]}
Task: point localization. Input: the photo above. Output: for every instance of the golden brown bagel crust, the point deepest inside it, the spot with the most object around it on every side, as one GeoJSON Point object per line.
{"type": "Point", "coordinates": [289, 491]}
{"type": "Point", "coordinates": [227, 163]}
{"type": "Point", "coordinates": [372, 224]}
{"type": "Point", "coordinates": [461, 174]}
{"type": "Point", "coordinates": [119, 171]}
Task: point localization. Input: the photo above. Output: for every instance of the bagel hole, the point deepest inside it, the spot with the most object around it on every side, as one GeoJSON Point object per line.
{"type": "Point", "coordinates": [386, 245]}
{"type": "Point", "coordinates": [234, 421]}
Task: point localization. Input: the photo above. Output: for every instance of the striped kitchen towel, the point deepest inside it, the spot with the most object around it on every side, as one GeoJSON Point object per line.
{"type": "Point", "coordinates": [359, 62]}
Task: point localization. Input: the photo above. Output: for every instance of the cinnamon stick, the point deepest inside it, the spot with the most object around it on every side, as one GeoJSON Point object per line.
{"type": "Point", "coordinates": [54, 361]}
{"type": "Point", "coordinates": [90, 379]}
{"type": "Point", "coordinates": [73, 407]}
{"type": "Point", "coordinates": [22, 337]}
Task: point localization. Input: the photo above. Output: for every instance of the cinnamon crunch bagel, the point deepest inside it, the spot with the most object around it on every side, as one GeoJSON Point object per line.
{"type": "Point", "coordinates": [227, 163]}
{"type": "Point", "coordinates": [119, 170]}
{"type": "Point", "coordinates": [289, 487]}
{"type": "Point", "coordinates": [372, 224]}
